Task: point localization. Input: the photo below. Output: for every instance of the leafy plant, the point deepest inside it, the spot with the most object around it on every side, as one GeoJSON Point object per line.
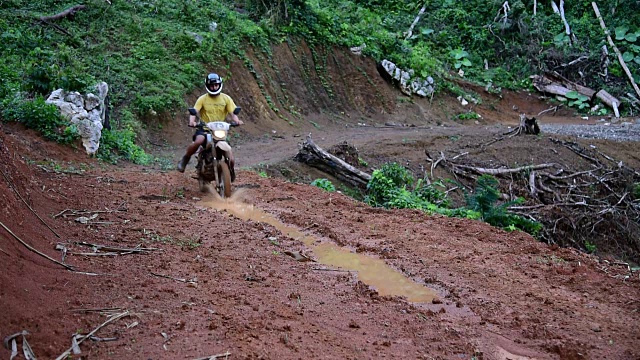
{"type": "Point", "coordinates": [38, 115]}
{"type": "Point", "coordinates": [460, 57]}
{"type": "Point", "coordinates": [577, 100]}
{"type": "Point", "coordinates": [120, 144]}
{"type": "Point", "coordinates": [323, 184]}
{"type": "Point", "coordinates": [485, 201]}
{"type": "Point", "coordinates": [470, 115]}
{"type": "Point", "coordinates": [632, 52]}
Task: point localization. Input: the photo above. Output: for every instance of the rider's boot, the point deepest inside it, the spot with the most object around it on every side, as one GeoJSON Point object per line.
{"type": "Point", "coordinates": [183, 163]}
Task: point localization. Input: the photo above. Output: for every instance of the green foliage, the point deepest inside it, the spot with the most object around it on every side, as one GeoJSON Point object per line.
{"type": "Point", "coordinates": [485, 201]}
{"type": "Point", "coordinates": [630, 43]}
{"type": "Point", "coordinates": [324, 184]}
{"type": "Point", "coordinates": [470, 115]}
{"type": "Point", "coordinates": [460, 58]}
{"type": "Point", "coordinates": [390, 187]}
{"type": "Point", "coordinates": [153, 53]}
{"type": "Point", "coordinates": [577, 100]}
{"type": "Point", "coordinates": [590, 247]}
{"type": "Point", "coordinates": [636, 191]}
{"type": "Point", "coordinates": [387, 186]}
{"type": "Point", "coordinates": [120, 144]}
{"type": "Point", "coordinates": [38, 115]}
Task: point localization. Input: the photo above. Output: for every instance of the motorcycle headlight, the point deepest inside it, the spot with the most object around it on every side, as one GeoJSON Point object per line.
{"type": "Point", "coordinates": [219, 134]}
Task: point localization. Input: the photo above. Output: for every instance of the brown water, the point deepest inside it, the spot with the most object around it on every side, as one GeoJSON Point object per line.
{"type": "Point", "coordinates": [372, 271]}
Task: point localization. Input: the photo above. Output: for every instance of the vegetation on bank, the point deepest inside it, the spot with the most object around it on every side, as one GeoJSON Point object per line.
{"type": "Point", "coordinates": [393, 186]}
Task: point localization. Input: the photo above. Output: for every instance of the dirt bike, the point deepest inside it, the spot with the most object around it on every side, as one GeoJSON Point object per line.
{"type": "Point", "coordinates": [212, 157]}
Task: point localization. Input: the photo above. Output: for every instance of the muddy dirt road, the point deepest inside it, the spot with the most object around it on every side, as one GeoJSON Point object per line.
{"type": "Point", "coordinates": [285, 270]}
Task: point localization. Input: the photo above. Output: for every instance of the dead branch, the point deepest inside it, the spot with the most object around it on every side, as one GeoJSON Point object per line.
{"type": "Point", "coordinates": [28, 206]}
{"type": "Point", "coordinates": [532, 184]}
{"type": "Point", "coordinates": [214, 357]}
{"type": "Point", "coordinates": [554, 109]}
{"type": "Point", "coordinates": [97, 247]}
{"type": "Point", "coordinates": [68, 12]}
{"type": "Point", "coordinates": [415, 21]}
{"type": "Point", "coordinates": [610, 100]}
{"type": "Point", "coordinates": [615, 48]}
{"type": "Point", "coordinates": [68, 267]}
{"type": "Point", "coordinates": [75, 345]}
{"type": "Point", "coordinates": [73, 212]}
{"type": "Point", "coordinates": [480, 170]}
{"type": "Point", "coordinates": [567, 29]}
{"type": "Point", "coordinates": [554, 83]}
{"type": "Point", "coordinates": [336, 270]}
{"type": "Point", "coordinates": [618, 163]}
{"type": "Point", "coordinates": [574, 207]}
{"type": "Point", "coordinates": [188, 281]}
{"type": "Point", "coordinates": [55, 26]}
{"type": "Point", "coordinates": [109, 311]}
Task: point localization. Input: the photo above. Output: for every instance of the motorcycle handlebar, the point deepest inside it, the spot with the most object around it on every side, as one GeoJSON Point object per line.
{"type": "Point", "coordinates": [202, 123]}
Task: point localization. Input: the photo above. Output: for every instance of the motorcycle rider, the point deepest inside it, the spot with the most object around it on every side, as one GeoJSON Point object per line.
{"type": "Point", "coordinates": [213, 106]}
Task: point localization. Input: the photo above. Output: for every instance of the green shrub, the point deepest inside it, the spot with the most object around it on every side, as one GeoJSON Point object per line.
{"type": "Point", "coordinates": [485, 201]}
{"type": "Point", "coordinates": [324, 184]}
{"type": "Point", "coordinates": [120, 144]}
{"type": "Point", "coordinates": [38, 115]}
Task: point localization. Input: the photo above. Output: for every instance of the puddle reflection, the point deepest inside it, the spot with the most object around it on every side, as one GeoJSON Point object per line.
{"type": "Point", "coordinates": [372, 271]}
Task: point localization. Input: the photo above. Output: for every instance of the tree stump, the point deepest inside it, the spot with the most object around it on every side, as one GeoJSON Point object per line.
{"type": "Point", "coordinates": [313, 155]}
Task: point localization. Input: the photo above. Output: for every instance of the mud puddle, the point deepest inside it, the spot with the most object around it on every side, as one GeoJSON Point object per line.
{"type": "Point", "coordinates": [372, 271]}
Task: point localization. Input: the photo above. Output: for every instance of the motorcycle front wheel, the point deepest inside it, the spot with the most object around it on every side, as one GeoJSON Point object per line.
{"type": "Point", "coordinates": [203, 184]}
{"type": "Point", "coordinates": [224, 180]}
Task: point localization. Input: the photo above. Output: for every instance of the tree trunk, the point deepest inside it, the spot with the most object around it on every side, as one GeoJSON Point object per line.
{"type": "Point", "coordinates": [609, 100]}
{"type": "Point", "coordinates": [69, 12]}
{"type": "Point", "coordinates": [312, 155]}
{"type": "Point", "coordinates": [615, 48]}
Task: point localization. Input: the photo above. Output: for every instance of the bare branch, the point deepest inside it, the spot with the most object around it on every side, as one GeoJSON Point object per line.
{"type": "Point", "coordinates": [69, 12]}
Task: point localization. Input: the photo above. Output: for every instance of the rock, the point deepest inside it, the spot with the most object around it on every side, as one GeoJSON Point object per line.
{"type": "Point", "coordinates": [91, 102]}
{"type": "Point", "coordinates": [408, 83]}
{"type": "Point", "coordinates": [87, 113]}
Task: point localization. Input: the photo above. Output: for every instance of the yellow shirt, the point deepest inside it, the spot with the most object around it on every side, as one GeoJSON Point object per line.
{"type": "Point", "coordinates": [214, 108]}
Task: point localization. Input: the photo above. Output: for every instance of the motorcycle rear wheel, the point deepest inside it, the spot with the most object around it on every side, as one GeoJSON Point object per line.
{"type": "Point", "coordinates": [224, 179]}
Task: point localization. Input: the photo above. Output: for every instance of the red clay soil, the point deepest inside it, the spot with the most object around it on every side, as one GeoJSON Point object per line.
{"type": "Point", "coordinates": [220, 283]}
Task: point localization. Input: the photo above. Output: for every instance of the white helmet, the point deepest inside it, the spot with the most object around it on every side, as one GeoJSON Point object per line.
{"type": "Point", "coordinates": [213, 84]}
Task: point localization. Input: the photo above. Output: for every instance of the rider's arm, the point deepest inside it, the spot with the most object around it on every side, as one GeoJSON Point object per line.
{"type": "Point", "coordinates": [235, 119]}
{"type": "Point", "coordinates": [198, 106]}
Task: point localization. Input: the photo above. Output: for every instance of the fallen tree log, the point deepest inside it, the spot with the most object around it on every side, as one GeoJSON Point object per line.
{"type": "Point", "coordinates": [313, 155]}
{"type": "Point", "coordinates": [609, 100]}
{"type": "Point", "coordinates": [68, 12]}
{"type": "Point", "coordinates": [558, 85]}
{"type": "Point", "coordinates": [503, 171]}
